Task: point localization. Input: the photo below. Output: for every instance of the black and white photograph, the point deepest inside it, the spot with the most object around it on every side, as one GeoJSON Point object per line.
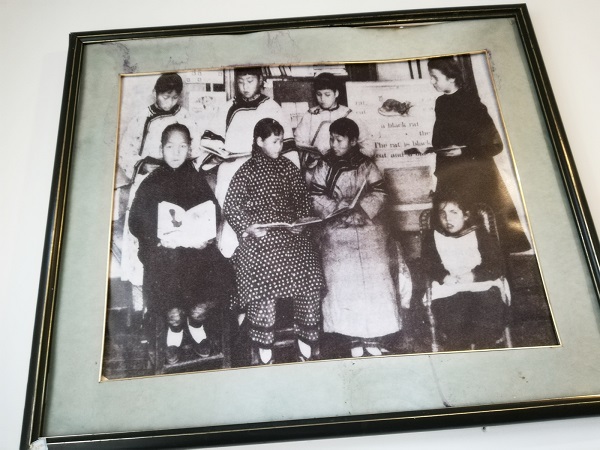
{"type": "Point", "coordinates": [303, 213]}
{"type": "Point", "coordinates": [347, 227]}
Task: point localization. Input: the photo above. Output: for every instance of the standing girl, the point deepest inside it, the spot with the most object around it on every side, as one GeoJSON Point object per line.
{"type": "Point", "coordinates": [361, 301]}
{"type": "Point", "coordinates": [312, 133]}
{"type": "Point", "coordinates": [140, 142]}
{"type": "Point", "coordinates": [272, 264]}
{"type": "Point", "coordinates": [467, 140]}
{"type": "Point", "coordinates": [234, 129]}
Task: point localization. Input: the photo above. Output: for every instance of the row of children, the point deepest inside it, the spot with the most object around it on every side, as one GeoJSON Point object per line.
{"type": "Point", "coordinates": [233, 130]}
{"type": "Point", "coordinates": [351, 257]}
{"type": "Point", "coordinates": [345, 274]}
{"type": "Point", "coordinates": [270, 264]}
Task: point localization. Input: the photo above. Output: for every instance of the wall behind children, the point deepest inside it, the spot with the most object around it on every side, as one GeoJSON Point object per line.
{"type": "Point", "coordinates": [33, 47]}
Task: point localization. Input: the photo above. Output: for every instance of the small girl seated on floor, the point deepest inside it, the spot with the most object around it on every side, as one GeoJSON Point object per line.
{"type": "Point", "coordinates": [273, 263]}
{"type": "Point", "coordinates": [186, 279]}
{"type": "Point", "coordinates": [466, 266]}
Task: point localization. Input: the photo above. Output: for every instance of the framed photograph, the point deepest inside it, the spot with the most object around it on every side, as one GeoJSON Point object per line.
{"type": "Point", "coordinates": [306, 227]}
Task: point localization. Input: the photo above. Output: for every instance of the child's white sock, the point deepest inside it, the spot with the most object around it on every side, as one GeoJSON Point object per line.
{"type": "Point", "coordinates": [241, 318]}
{"type": "Point", "coordinates": [357, 352]}
{"type": "Point", "coordinates": [373, 351]}
{"type": "Point", "coordinates": [174, 338]}
{"type": "Point", "coordinates": [265, 354]}
{"type": "Point", "coordinates": [304, 349]}
{"type": "Point", "coordinates": [198, 334]}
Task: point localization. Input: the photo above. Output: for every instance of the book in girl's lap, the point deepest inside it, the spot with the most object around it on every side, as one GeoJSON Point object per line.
{"type": "Point", "coordinates": [466, 266]}
{"type": "Point", "coordinates": [273, 263]}
{"type": "Point", "coordinates": [140, 142]}
{"type": "Point", "coordinates": [186, 278]}
{"type": "Point", "coordinates": [362, 297]}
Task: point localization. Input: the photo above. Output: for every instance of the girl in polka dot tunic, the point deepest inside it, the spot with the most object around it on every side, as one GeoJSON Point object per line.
{"type": "Point", "coordinates": [272, 264]}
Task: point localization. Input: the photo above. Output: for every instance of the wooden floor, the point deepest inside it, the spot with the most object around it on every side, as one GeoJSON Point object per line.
{"type": "Point", "coordinates": [132, 348]}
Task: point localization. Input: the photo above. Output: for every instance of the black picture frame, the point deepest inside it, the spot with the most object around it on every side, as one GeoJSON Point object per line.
{"type": "Point", "coordinates": [50, 297]}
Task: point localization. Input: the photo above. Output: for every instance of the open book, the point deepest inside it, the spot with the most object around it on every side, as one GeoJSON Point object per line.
{"type": "Point", "coordinates": [191, 228]}
{"type": "Point", "coordinates": [215, 147]}
{"type": "Point", "coordinates": [314, 151]}
{"type": "Point", "coordinates": [351, 206]}
{"type": "Point", "coordinates": [312, 220]}
{"type": "Point", "coordinates": [298, 223]}
{"type": "Point", "coordinates": [448, 149]}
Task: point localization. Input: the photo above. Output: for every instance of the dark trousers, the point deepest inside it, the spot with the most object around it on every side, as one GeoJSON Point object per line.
{"type": "Point", "coordinates": [470, 318]}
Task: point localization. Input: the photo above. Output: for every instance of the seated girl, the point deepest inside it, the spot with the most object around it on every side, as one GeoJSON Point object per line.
{"type": "Point", "coordinates": [361, 302]}
{"type": "Point", "coordinates": [186, 279]}
{"type": "Point", "coordinates": [465, 265]}
{"type": "Point", "coordinates": [273, 263]}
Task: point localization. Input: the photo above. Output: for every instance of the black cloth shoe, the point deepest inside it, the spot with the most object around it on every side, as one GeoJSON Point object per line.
{"type": "Point", "coordinates": [172, 354]}
{"type": "Point", "coordinates": [202, 348]}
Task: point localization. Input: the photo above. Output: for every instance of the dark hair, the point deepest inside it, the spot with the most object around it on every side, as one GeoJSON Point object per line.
{"type": "Point", "coordinates": [267, 127]}
{"type": "Point", "coordinates": [168, 82]}
{"type": "Point", "coordinates": [249, 70]}
{"type": "Point", "coordinates": [345, 127]}
{"type": "Point", "coordinates": [449, 67]}
{"type": "Point", "coordinates": [442, 197]}
{"type": "Point", "coordinates": [326, 81]}
{"type": "Point", "coordinates": [175, 127]}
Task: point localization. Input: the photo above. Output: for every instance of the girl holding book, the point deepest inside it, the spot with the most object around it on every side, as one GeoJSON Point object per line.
{"type": "Point", "coordinates": [273, 263]}
{"type": "Point", "coordinates": [467, 141]}
{"type": "Point", "coordinates": [361, 301]}
{"type": "Point", "coordinates": [185, 276]}
{"type": "Point", "coordinates": [312, 133]}
{"type": "Point", "coordinates": [233, 130]}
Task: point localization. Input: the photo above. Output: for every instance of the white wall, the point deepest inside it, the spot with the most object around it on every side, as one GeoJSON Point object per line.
{"type": "Point", "coordinates": [33, 46]}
